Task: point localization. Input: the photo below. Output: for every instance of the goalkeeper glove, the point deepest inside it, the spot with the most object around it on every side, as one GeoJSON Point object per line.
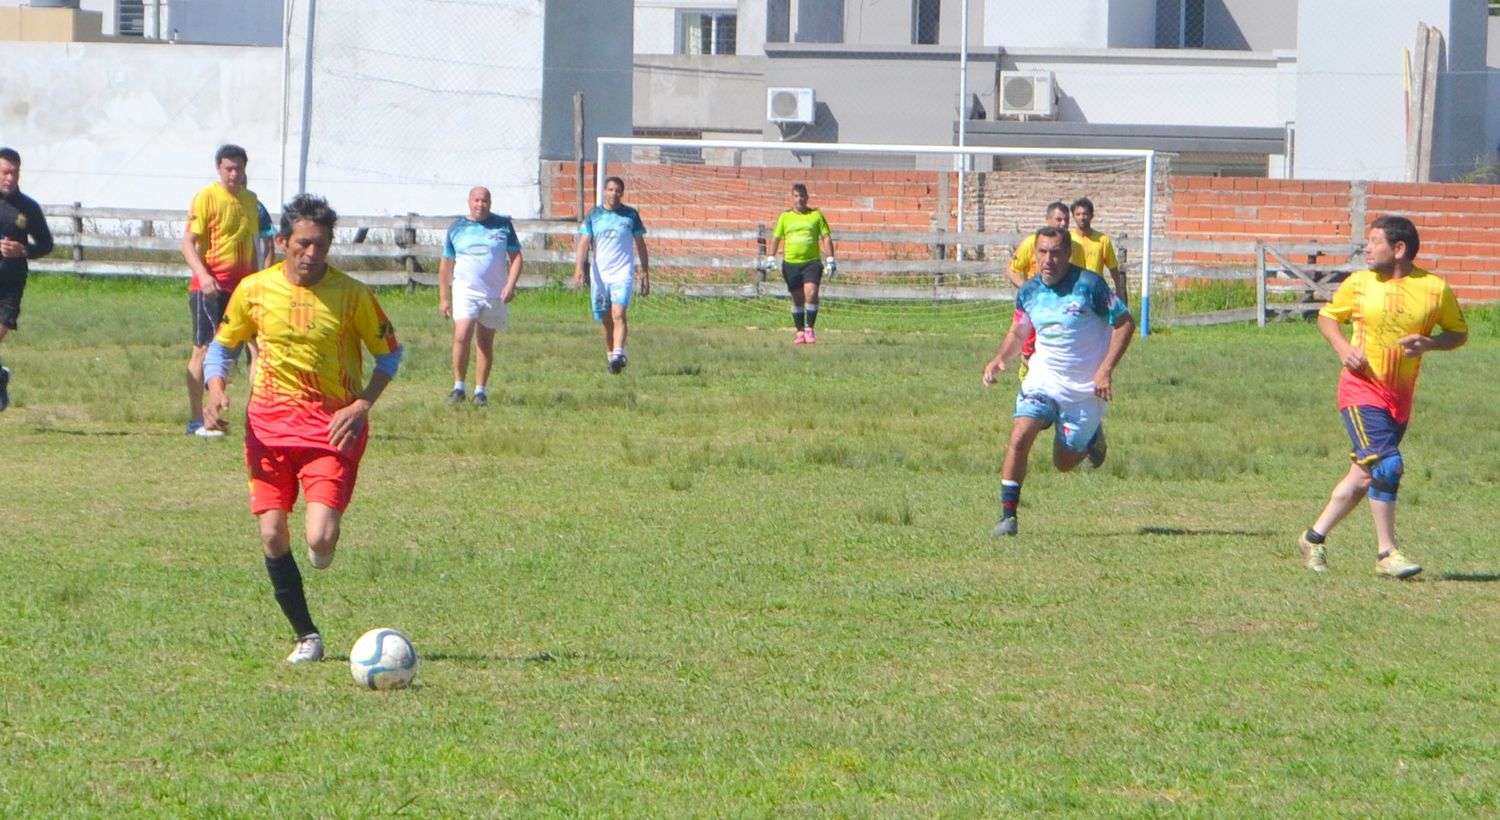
{"type": "Point", "coordinates": [772, 263]}
{"type": "Point", "coordinates": [830, 266]}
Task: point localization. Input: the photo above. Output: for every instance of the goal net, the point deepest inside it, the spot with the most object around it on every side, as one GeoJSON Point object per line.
{"type": "Point", "coordinates": [923, 230]}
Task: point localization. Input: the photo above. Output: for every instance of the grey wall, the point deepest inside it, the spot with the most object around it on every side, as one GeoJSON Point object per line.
{"type": "Point", "coordinates": [717, 94]}
{"type": "Point", "coordinates": [579, 58]}
{"type": "Point", "coordinates": [233, 22]}
{"type": "Point", "coordinates": [1262, 25]}
{"type": "Point", "coordinates": [1132, 24]}
{"type": "Point", "coordinates": [907, 95]}
{"type": "Point", "coordinates": [1351, 99]}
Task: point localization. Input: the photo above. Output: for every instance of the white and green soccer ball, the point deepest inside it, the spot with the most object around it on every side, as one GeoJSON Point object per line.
{"type": "Point", "coordinates": [383, 659]}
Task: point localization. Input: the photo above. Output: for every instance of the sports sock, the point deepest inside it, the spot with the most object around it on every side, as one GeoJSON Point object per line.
{"type": "Point", "coordinates": [799, 318]}
{"type": "Point", "coordinates": [1010, 498]}
{"type": "Point", "coordinates": [812, 316]}
{"type": "Point", "coordinates": [1313, 536]}
{"type": "Point", "coordinates": [459, 386]}
{"type": "Point", "coordinates": [619, 351]}
{"type": "Point", "coordinates": [286, 582]}
{"type": "Point", "coordinates": [480, 391]}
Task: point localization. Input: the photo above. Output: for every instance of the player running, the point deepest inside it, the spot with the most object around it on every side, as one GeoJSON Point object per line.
{"type": "Point", "coordinates": [1082, 332]}
{"type": "Point", "coordinates": [20, 217]}
{"type": "Point", "coordinates": [307, 418]}
{"type": "Point", "coordinates": [1394, 306]}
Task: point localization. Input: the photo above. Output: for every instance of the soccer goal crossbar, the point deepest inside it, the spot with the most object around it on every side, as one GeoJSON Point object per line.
{"type": "Point", "coordinates": [972, 202]}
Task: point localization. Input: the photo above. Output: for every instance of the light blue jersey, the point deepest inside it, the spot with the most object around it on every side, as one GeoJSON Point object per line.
{"type": "Point", "coordinates": [481, 254]}
{"type": "Point", "coordinates": [613, 235]}
{"type": "Point", "coordinates": [1073, 321]}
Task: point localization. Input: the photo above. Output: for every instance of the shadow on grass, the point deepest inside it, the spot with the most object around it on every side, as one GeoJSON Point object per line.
{"type": "Point", "coordinates": [1183, 531]}
{"type": "Point", "coordinates": [1474, 577]}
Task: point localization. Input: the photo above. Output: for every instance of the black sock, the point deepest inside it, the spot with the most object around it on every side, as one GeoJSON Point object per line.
{"type": "Point", "coordinates": [1313, 536]}
{"type": "Point", "coordinates": [798, 319]}
{"type": "Point", "coordinates": [286, 581]}
{"type": "Point", "coordinates": [812, 316]}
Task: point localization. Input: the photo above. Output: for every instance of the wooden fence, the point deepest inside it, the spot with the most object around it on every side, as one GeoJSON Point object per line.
{"type": "Point", "coordinates": [967, 266]}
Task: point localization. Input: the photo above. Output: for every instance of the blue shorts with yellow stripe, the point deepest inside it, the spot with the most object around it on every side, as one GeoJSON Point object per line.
{"type": "Point", "coordinates": [1373, 432]}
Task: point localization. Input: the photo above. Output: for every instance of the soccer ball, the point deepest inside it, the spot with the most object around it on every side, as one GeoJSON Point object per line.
{"type": "Point", "coordinates": [383, 659]}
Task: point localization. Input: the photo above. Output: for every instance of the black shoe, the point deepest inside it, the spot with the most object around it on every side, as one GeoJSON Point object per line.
{"type": "Point", "coordinates": [617, 363]}
{"type": "Point", "coordinates": [456, 397]}
{"type": "Point", "coordinates": [4, 388]}
{"type": "Point", "coordinates": [481, 400]}
{"type": "Point", "coordinates": [1098, 449]}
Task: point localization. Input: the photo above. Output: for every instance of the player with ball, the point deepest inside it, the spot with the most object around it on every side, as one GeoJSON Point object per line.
{"type": "Point", "coordinates": [307, 421]}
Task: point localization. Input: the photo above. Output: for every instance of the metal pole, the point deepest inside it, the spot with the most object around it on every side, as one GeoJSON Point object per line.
{"type": "Point", "coordinates": [578, 157]}
{"type": "Point", "coordinates": [1146, 245]}
{"type": "Point", "coordinates": [307, 85]}
{"type": "Point", "coordinates": [286, 95]}
{"type": "Point", "coordinates": [963, 111]}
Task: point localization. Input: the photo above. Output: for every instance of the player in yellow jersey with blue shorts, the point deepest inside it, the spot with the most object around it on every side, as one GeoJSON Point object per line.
{"type": "Point", "coordinates": [1394, 307]}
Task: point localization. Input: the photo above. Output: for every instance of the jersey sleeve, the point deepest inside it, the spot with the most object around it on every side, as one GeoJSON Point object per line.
{"type": "Point", "coordinates": [1341, 307]}
{"type": "Point", "coordinates": [450, 252]}
{"type": "Point", "coordinates": [637, 227]}
{"type": "Point", "coordinates": [823, 229]}
{"type": "Point", "coordinates": [513, 241]}
{"type": "Point", "coordinates": [236, 329]}
{"type": "Point", "coordinates": [267, 227]}
{"type": "Point", "coordinates": [780, 231]}
{"type": "Point", "coordinates": [1450, 316]}
{"type": "Point", "coordinates": [1107, 305]}
{"type": "Point", "coordinates": [197, 214]}
{"type": "Point", "coordinates": [586, 227]}
{"type": "Point", "coordinates": [1110, 260]}
{"type": "Point", "coordinates": [1022, 260]}
{"type": "Point", "coordinates": [374, 328]}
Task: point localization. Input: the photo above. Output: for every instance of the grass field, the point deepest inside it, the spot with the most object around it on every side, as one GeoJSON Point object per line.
{"type": "Point", "coordinates": [745, 579]}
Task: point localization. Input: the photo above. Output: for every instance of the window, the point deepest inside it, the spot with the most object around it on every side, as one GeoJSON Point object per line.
{"type": "Point", "coordinates": [705, 32]}
{"type": "Point", "coordinates": [130, 18]}
{"type": "Point", "coordinates": [924, 22]}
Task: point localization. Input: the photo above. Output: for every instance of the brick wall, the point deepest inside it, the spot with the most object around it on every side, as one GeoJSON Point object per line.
{"type": "Point", "coordinates": [1459, 223]}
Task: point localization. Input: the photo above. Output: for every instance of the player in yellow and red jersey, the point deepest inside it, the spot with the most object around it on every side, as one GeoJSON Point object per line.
{"type": "Point", "coordinates": [219, 246]}
{"type": "Point", "coordinates": [1394, 307]}
{"type": "Point", "coordinates": [306, 421]}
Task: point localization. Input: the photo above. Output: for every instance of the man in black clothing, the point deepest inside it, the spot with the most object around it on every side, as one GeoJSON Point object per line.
{"type": "Point", "coordinates": [20, 217]}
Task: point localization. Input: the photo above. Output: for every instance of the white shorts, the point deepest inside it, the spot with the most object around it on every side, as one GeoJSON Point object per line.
{"type": "Point", "coordinates": [491, 313]}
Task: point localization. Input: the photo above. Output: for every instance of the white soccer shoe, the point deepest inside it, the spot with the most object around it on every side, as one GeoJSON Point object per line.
{"type": "Point", "coordinates": [308, 649]}
{"type": "Point", "coordinates": [205, 432]}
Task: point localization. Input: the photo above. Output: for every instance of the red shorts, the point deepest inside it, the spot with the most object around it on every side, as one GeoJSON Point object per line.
{"type": "Point", "coordinates": [327, 478]}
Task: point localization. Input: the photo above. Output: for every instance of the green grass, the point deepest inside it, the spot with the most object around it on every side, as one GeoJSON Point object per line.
{"type": "Point", "coordinates": [744, 578]}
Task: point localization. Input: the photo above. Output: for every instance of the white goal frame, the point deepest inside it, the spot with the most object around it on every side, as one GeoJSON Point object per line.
{"type": "Point", "coordinates": [1146, 154]}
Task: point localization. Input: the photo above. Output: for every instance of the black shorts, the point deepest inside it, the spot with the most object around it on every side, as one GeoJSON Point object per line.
{"type": "Point", "coordinates": [798, 274]}
{"type": "Point", "coordinates": [208, 312]}
{"type": "Point", "coordinates": [11, 288]}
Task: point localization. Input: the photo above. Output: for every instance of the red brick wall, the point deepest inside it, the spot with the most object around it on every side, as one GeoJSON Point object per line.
{"type": "Point", "coordinates": [1459, 223]}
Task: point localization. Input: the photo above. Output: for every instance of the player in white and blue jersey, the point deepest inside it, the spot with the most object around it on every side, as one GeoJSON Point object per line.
{"type": "Point", "coordinates": [476, 281]}
{"type": "Point", "coordinates": [617, 236]}
{"type": "Point", "coordinates": [1082, 331]}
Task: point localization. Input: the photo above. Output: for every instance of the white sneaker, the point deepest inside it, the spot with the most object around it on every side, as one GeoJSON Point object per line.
{"type": "Point", "coordinates": [308, 649]}
{"type": "Point", "coordinates": [319, 561]}
{"type": "Point", "coordinates": [205, 432]}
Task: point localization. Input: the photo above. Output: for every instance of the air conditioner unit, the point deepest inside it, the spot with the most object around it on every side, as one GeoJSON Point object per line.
{"type": "Point", "coordinates": [789, 105]}
{"type": "Point", "coordinates": [1027, 93]}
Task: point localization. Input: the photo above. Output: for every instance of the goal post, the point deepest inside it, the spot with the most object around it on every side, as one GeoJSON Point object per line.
{"type": "Point", "coordinates": [908, 221]}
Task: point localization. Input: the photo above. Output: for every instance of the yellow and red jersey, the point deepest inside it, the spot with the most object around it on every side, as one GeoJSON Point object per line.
{"type": "Point", "coordinates": [1024, 261]}
{"type": "Point", "coordinates": [1383, 310]}
{"type": "Point", "coordinates": [310, 363]}
{"type": "Point", "coordinates": [1097, 250]}
{"type": "Point", "coordinates": [226, 225]}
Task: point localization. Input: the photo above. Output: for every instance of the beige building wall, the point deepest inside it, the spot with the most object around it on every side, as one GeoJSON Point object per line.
{"type": "Point", "coordinates": [51, 25]}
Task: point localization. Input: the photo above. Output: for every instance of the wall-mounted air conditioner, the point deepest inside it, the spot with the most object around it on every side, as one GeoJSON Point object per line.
{"type": "Point", "coordinates": [789, 105]}
{"type": "Point", "coordinates": [1027, 93]}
